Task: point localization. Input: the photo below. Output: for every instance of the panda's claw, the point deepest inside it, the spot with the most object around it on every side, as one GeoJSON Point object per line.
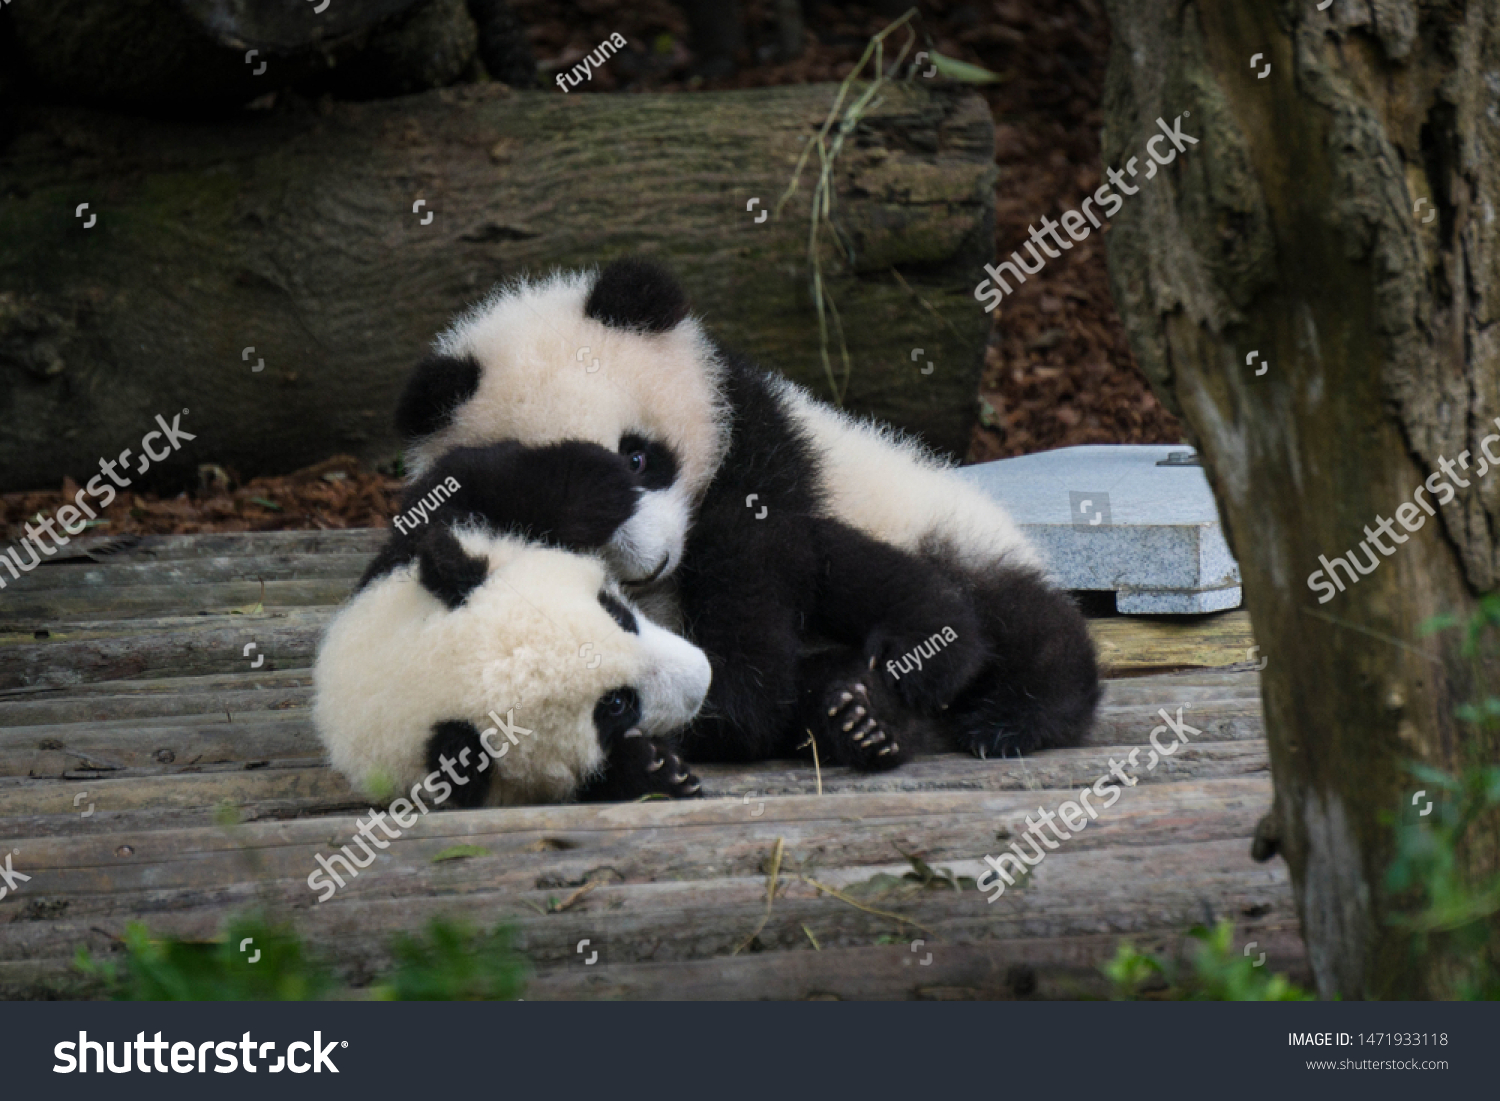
{"type": "Point", "coordinates": [854, 717]}
{"type": "Point", "coordinates": [655, 765]}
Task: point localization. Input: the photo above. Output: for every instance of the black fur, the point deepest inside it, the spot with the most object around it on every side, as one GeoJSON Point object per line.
{"type": "Point", "coordinates": [455, 750]}
{"type": "Point", "coordinates": [1007, 661]}
{"type": "Point", "coordinates": [436, 387]}
{"type": "Point", "coordinates": [572, 494]}
{"type": "Point", "coordinates": [1039, 684]}
{"type": "Point", "coordinates": [804, 619]}
{"type": "Point", "coordinates": [446, 570]}
{"type": "Point", "coordinates": [637, 294]}
{"type": "Point", "coordinates": [745, 584]}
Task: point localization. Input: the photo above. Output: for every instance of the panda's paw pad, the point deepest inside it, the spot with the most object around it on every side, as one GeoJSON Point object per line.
{"type": "Point", "coordinates": [666, 774]}
{"type": "Point", "coordinates": [863, 741]}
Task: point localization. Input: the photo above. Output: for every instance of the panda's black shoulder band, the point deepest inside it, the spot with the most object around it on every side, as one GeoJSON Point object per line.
{"type": "Point", "coordinates": [446, 570]}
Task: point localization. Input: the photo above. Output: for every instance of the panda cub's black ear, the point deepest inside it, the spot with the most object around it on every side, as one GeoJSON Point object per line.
{"type": "Point", "coordinates": [637, 294]}
{"type": "Point", "coordinates": [437, 386]}
{"type": "Point", "coordinates": [446, 570]}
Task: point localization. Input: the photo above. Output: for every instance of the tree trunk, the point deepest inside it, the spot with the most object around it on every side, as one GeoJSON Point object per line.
{"type": "Point", "coordinates": [1288, 236]}
{"type": "Point", "coordinates": [295, 234]}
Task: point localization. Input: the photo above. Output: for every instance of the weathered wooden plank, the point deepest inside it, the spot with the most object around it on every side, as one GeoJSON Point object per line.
{"type": "Point", "coordinates": [1129, 644]}
{"type": "Point", "coordinates": [253, 690]}
{"type": "Point", "coordinates": [312, 787]}
{"type": "Point", "coordinates": [252, 783]}
{"type": "Point", "coordinates": [1136, 891]}
{"type": "Point", "coordinates": [89, 576]}
{"type": "Point", "coordinates": [215, 645]}
{"type": "Point", "coordinates": [175, 745]}
{"type": "Point", "coordinates": [1032, 969]}
{"type": "Point", "coordinates": [561, 843]}
{"type": "Point", "coordinates": [47, 607]}
{"type": "Point", "coordinates": [287, 731]}
{"type": "Point", "coordinates": [243, 691]}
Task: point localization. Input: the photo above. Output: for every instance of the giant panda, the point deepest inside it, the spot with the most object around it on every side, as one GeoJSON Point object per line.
{"type": "Point", "coordinates": [488, 657]}
{"type": "Point", "coordinates": [843, 581]}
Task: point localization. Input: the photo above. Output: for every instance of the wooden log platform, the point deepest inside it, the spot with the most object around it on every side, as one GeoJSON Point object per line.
{"type": "Point", "coordinates": [151, 771]}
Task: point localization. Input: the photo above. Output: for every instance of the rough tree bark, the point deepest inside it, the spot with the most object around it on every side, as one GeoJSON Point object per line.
{"type": "Point", "coordinates": [294, 234]}
{"type": "Point", "coordinates": [1289, 231]}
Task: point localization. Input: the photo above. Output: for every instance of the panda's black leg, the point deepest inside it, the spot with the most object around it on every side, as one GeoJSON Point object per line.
{"type": "Point", "coordinates": [744, 618]}
{"type": "Point", "coordinates": [1040, 682]}
{"type": "Point", "coordinates": [853, 717]}
{"type": "Point", "coordinates": [455, 751]}
{"type": "Point", "coordinates": [914, 623]}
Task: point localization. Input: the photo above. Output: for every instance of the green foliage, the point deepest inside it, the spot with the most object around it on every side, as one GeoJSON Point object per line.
{"type": "Point", "coordinates": [1217, 973]}
{"type": "Point", "coordinates": [1453, 916]}
{"type": "Point", "coordinates": [454, 963]}
{"type": "Point", "coordinates": [174, 970]}
{"type": "Point", "coordinates": [449, 962]}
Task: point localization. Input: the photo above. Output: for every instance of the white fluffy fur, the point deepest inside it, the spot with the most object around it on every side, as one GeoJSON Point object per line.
{"type": "Point", "coordinates": [666, 386]}
{"type": "Point", "coordinates": [395, 661]}
{"type": "Point", "coordinates": [892, 489]}
{"type": "Point", "coordinates": [535, 388]}
{"type": "Point", "coordinates": [540, 383]}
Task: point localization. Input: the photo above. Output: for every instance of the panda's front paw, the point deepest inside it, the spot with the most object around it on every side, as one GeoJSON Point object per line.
{"type": "Point", "coordinates": [861, 737]}
{"type": "Point", "coordinates": [648, 766]}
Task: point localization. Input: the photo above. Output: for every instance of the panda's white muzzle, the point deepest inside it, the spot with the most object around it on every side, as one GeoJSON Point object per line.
{"type": "Point", "coordinates": [676, 681]}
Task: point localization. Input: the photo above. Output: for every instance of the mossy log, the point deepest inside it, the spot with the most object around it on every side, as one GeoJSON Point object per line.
{"type": "Point", "coordinates": [293, 234]}
{"type": "Point", "coordinates": [194, 57]}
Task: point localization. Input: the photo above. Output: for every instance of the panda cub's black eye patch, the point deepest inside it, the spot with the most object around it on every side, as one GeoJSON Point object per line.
{"type": "Point", "coordinates": [622, 615]}
{"type": "Point", "coordinates": [653, 464]}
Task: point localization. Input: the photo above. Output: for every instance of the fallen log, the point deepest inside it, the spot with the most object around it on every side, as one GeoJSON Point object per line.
{"type": "Point", "coordinates": [271, 277]}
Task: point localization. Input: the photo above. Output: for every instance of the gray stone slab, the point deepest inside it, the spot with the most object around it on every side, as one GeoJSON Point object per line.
{"type": "Point", "coordinates": [1108, 518]}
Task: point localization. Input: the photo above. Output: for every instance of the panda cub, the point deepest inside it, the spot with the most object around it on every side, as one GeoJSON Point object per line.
{"type": "Point", "coordinates": [490, 635]}
{"type": "Point", "coordinates": [841, 580]}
